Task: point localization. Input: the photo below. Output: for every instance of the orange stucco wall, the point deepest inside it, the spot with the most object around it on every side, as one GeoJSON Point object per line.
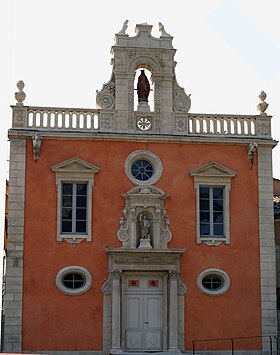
{"type": "Point", "coordinates": [54, 321]}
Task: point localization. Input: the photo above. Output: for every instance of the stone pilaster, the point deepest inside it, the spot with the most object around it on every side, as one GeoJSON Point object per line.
{"type": "Point", "coordinates": [267, 245]}
{"type": "Point", "coordinates": [14, 273]}
{"type": "Point", "coordinates": [116, 313]}
{"type": "Point", "coordinates": [173, 312]}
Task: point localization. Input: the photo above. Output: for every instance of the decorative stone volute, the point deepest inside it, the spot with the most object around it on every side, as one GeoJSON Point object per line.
{"type": "Point", "coordinates": [20, 95]}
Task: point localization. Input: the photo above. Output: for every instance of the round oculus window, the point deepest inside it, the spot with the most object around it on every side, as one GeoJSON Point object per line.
{"type": "Point", "coordinates": [73, 280]}
{"type": "Point", "coordinates": [143, 167]}
{"type": "Point", "coordinates": [213, 282]}
{"type": "Point", "coordinates": [142, 170]}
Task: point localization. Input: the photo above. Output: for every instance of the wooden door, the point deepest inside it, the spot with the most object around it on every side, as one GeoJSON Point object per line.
{"type": "Point", "coordinates": [143, 310]}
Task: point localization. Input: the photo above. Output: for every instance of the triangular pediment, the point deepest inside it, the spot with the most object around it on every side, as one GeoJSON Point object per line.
{"type": "Point", "coordinates": [213, 169]}
{"type": "Point", "coordinates": [147, 191]}
{"type": "Point", "coordinates": [75, 165]}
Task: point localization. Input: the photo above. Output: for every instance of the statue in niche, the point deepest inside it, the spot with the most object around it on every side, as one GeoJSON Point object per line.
{"type": "Point", "coordinates": [143, 87]}
{"type": "Point", "coordinates": [144, 226]}
{"type": "Point", "coordinates": [145, 237]}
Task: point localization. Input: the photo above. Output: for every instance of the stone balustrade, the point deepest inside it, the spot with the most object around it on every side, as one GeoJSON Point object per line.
{"type": "Point", "coordinates": [100, 120]}
{"type": "Point", "coordinates": [63, 118]}
{"type": "Point", "coordinates": [222, 125]}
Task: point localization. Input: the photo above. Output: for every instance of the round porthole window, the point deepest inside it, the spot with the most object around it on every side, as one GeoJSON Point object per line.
{"type": "Point", "coordinates": [73, 280]}
{"type": "Point", "coordinates": [143, 167]}
{"type": "Point", "coordinates": [142, 170]}
{"type": "Point", "coordinates": [213, 282]}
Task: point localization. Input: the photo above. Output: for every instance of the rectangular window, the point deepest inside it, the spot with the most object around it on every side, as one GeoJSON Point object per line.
{"type": "Point", "coordinates": [74, 208]}
{"type": "Point", "coordinates": [211, 211]}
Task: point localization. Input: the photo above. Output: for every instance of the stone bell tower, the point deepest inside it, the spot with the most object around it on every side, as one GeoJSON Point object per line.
{"type": "Point", "coordinates": [156, 55]}
{"type": "Point", "coordinates": [143, 64]}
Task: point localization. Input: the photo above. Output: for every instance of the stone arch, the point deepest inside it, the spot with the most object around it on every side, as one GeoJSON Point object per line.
{"type": "Point", "coordinates": [145, 62]}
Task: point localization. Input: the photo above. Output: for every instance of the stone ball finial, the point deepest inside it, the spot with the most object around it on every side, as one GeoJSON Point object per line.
{"type": "Point", "coordinates": [262, 106]}
{"type": "Point", "coordinates": [20, 95]}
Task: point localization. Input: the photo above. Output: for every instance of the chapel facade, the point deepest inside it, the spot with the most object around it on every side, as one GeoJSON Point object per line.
{"type": "Point", "coordinates": [139, 226]}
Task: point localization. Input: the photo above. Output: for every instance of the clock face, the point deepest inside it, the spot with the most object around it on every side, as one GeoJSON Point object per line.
{"type": "Point", "coordinates": [144, 123]}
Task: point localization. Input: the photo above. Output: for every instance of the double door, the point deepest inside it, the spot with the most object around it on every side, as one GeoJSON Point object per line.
{"type": "Point", "coordinates": [143, 313]}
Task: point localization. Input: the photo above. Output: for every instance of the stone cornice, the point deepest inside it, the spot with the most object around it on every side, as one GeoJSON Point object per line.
{"type": "Point", "coordinates": [150, 252]}
{"type": "Point", "coordinates": [26, 133]}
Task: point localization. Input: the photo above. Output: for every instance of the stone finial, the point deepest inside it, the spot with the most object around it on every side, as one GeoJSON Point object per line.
{"type": "Point", "coordinates": [162, 30]}
{"type": "Point", "coordinates": [124, 28]}
{"type": "Point", "coordinates": [262, 106]}
{"type": "Point", "coordinates": [20, 95]}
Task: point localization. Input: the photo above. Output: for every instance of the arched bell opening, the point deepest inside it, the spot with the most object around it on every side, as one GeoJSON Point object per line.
{"type": "Point", "coordinates": [143, 89]}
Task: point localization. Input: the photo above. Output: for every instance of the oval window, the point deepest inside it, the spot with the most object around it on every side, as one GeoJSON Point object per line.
{"type": "Point", "coordinates": [213, 282]}
{"type": "Point", "coordinates": [73, 280]}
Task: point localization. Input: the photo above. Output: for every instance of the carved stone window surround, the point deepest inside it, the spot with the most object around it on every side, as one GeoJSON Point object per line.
{"type": "Point", "coordinates": [74, 170]}
{"type": "Point", "coordinates": [213, 175]}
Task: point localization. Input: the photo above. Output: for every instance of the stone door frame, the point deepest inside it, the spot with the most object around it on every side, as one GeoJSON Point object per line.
{"type": "Point", "coordinates": [124, 261]}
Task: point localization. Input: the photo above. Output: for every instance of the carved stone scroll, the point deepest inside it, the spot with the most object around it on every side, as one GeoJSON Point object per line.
{"type": "Point", "coordinates": [106, 97]}
{"type": "Point", "coordinates": [181, 101]}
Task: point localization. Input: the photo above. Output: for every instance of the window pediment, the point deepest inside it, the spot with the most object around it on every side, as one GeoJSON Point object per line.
{"type": "Point", "coordinates": [212, 169]}
{"type": "Point", "coordinates": [75, 165]}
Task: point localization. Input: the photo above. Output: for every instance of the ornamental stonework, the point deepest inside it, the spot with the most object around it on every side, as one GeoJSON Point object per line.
{"type": "Point", "coordinates": [180, 124]}
{"type": "Point", "coordinates": [181, 101]}
{"type": "Point", "coordinates": [107, 122]}
{"type": "Point", "coordinates": [20, 118]}
{"type": "Point", "coordinates": [106, 97]}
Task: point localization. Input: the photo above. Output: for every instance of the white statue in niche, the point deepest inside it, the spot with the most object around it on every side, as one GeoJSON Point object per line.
{"type": "Point", "coordinates": [144, 224]}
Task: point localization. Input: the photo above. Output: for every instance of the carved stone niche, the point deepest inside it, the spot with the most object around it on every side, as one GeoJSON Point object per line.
{"type": "Point", "coordinates": [144, 223]}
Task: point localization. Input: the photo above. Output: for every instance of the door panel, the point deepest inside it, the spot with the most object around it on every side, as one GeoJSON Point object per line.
{"type": "Point", "coordinates": [153, 331]}
{"type": "Point", "coordinates": [143, 320]}
{"type": "Point", "coordinates": [134, 323]}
